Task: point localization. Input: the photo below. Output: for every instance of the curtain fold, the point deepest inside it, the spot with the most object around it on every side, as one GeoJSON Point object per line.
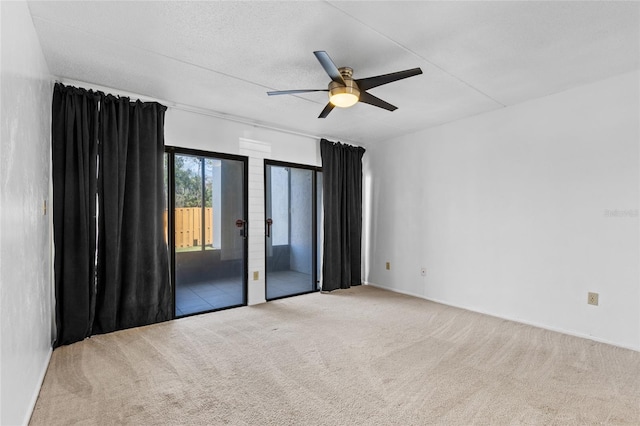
{"type": "Point", "coordinates": [111, 270]}
{"type": "Point", "coordinates": [74, 139]}
{"type": "Point", "coordinates": [342, 196]}
{"type": "Point", "coordinates": [133, 265]}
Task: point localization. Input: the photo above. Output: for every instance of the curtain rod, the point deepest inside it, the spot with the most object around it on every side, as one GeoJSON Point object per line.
{"type": "Point", "coordinates": [189, 108]}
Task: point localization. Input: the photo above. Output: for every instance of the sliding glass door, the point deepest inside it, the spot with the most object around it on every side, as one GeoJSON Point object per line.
{"type": "Point", "coordinates": [291, 206]}
{"type": "Point", "coordinates": [207, 219]}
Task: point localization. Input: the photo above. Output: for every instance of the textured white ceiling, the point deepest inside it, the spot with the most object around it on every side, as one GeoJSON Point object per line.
{"type": "Point", "coordinates": [224, 56]}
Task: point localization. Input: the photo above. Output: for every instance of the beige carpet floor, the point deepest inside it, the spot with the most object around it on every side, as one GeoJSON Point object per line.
{"type": "Point", "coordinates": [362, 356]}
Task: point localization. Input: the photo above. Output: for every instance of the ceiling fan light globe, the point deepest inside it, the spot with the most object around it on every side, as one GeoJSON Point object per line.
{"type": "Point", "coordinates": [343, 100]}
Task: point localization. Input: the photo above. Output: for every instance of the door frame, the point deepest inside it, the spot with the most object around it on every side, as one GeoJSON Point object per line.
{"type": "Point", "coordinates": [171, 151]}
{"type": "Point", "coordinates": [314, 208]}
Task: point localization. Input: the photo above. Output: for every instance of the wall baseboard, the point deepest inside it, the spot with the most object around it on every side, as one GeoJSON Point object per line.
{"type": "Point", "coordinates": [520, 321]}
{"type": "Point", "coordinates": [34, 398]}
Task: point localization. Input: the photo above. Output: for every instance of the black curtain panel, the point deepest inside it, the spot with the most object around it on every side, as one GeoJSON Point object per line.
{"type": "Point", "coordinates": [133, 271]}
{"type": "Point", "coordinates": [74, 139]}
{"type": "Point", "coordinates": [111, 268]}
{"type": "Point", "coordinates": [342, 197]}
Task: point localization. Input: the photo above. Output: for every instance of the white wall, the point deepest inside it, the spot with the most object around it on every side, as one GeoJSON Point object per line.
{"type": "Point", "coordinates": [198, 131]}
{"type": "Point", "coordinates": [518, 213]}
{"type": "Point", "coordinates": [26, 306]}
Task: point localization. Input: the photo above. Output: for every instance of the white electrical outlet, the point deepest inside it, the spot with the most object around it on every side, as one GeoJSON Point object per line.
{"type": "Point", "coordinates": [592, 299]}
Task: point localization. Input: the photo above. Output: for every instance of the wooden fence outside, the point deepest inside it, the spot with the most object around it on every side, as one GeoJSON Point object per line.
{"type": "Point", "coordinates": [189, 226]}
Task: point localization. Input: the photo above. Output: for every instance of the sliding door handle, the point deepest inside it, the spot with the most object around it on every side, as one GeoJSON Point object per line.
{"type": "Point", "coordinates": [269, 222]}
{"type": "Point", "coordinates": [242, 224]}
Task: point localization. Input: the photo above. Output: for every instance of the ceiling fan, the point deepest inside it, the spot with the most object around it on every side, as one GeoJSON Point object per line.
{"type": "Point", "coordinates": [344, 91]}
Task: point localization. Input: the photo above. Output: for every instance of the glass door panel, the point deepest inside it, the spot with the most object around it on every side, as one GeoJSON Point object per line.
{"type": "Point", "coordinates": [208, 233]}
{"type": "Point", "coordinates": [290, 231]}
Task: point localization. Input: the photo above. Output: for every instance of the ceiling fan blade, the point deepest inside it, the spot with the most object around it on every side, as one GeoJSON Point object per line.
{"type": "Point", "coordinates": [326, 110]}
{"type": "Point", "coordinates": [329, 66]}
{"type": "Point", "coordinates": [368, 98]}
{"type": "Point", "coordinates": [293, 92]}
{"type": "Point", "coordinates": [379, 80]}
